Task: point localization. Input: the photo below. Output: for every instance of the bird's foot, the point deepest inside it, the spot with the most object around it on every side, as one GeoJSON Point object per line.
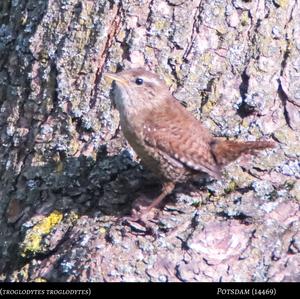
{"type": "Point", "coordinates": [142, 216]}
{"type": "Point", "coordinates": [144, 212]}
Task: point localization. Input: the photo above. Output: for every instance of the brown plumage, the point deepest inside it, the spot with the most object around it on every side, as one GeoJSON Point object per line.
{"type": "Point", "coordinates": [167, 138]}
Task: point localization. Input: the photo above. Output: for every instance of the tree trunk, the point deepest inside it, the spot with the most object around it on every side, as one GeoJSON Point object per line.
{"type": "Point", "coordinates": [67, 174]}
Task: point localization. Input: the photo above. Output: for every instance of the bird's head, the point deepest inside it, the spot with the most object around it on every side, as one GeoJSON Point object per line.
{"type": "Point", "coordinates": [137, 89]}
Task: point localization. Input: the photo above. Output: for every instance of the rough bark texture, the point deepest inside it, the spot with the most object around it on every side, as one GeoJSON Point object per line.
{"type": "Point", "coordinates": [67, 172]}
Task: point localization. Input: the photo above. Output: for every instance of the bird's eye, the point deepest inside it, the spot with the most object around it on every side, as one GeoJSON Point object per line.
{"type": "Point", "coordinates": [139, 81]}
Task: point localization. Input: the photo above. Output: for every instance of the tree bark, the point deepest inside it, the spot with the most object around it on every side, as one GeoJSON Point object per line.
{"type": "Point", "coordinates": [67, 173]}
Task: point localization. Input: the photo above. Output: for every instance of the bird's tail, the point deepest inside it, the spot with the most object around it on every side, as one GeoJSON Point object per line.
{"type": "Point", "coordinates": [226, 151]}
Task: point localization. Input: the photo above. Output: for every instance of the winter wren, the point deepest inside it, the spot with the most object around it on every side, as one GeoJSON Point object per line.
{"type": "Point", "coordinates": [168, 139]}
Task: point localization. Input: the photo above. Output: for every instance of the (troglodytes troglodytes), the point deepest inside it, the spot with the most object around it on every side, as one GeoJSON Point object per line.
{"type": "Point", "coordinates": [168, 139]}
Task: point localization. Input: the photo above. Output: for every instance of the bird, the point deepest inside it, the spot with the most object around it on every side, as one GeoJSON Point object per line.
{"type": "Point", "coordinates": [168, 139]}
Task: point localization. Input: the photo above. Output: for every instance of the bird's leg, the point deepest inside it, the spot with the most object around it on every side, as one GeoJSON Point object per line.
{"type": "Point", "coordinates": [142, 212]}
{"type": "Point", "coordinates": [166, 190]}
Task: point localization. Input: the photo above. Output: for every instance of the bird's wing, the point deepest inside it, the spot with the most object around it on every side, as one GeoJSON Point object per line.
{"type": "Point", "coordinates": [179, 135]}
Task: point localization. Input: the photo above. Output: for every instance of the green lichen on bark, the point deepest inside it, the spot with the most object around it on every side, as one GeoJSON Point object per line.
{"type": "Point", "coordinates": [31, 246]}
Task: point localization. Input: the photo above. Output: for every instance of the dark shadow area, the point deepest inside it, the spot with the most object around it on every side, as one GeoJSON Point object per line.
{"type": "Point", "coordinates": [244, 109]}
{"type": "Point", "coordinates": [107, 186]}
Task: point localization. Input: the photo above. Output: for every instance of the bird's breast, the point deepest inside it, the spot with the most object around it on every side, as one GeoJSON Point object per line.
{"type": "Point", "coordinates": [153, 159]}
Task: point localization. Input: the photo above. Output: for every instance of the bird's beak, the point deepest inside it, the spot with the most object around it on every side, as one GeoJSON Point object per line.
{"type": "Point", "coordinates": [115, 77]}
